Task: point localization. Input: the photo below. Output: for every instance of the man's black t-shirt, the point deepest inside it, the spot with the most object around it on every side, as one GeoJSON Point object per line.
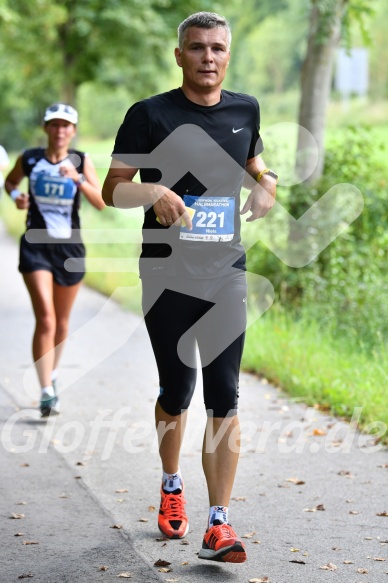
{"type": "Point", "coordinates": [199, 152]}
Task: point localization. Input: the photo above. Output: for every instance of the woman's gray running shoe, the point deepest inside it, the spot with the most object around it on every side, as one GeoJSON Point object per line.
{"type": "Point", "coordinates": [49, 405]}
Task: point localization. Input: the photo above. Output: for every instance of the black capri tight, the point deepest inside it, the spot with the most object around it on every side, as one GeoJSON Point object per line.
{"type": "Point", "coordinates": [210, 313]}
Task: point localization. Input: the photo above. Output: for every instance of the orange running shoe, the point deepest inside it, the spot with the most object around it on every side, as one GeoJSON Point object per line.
{"type": "Point", "coordinates": [221, 543]}
{"type": "Point", "coordinates": [172, 519]}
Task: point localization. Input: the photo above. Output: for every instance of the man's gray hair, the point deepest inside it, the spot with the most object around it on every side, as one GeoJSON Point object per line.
{"type": "Point", "coordinates": [203, 20]}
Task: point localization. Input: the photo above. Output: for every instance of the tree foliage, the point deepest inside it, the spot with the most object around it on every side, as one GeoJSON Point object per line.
{"type": "Point", "coordinates": [49, 49]}
{"type": "Point", "coordinates": [53, 47]}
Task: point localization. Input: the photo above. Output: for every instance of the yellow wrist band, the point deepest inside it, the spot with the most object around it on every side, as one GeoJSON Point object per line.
{"type": "Point", "coordinates": [266, 171]}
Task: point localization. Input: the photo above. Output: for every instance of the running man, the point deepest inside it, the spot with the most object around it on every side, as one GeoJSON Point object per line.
{"type": "Point", "coordinates": [192, 263]}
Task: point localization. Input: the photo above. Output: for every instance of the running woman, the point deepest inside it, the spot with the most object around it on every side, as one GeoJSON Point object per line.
{"type": "Point", "coordinates": [200, 141]}
{"type": "Point", "coordinates": [57, 178]}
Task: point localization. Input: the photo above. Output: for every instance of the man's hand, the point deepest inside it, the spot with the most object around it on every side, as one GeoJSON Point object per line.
{"type": "Point", "coordinates": [261, 199]}
{"type": "Point", "coordinates": [170, 209]}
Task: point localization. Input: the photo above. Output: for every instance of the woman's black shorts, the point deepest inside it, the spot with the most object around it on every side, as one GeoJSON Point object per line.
{"type": "Point", "coordinates": [51, 257]}
{"type": "Point", "coordinates": [181, 314]}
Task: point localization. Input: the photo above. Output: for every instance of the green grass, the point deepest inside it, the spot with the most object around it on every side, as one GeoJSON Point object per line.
{"type": "Point", "coordinates": [317, 368]}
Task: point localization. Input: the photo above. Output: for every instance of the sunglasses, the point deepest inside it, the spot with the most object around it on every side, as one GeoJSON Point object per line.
{"type": "Point", "coordinates": [61, 107]}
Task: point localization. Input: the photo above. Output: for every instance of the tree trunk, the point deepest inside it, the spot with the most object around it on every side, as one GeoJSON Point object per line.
{"type": "Point", "coordinates": [69, 92]}
{"type": "Point", "coordinates": [69, 86]}
{"type": "Point", "coordinates": [317, 71]}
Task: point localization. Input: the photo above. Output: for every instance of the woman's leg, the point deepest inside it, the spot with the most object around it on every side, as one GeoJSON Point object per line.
{"type": "Point", "coordinates": [40, 287]}
{"type": "Point", "coordinates": [63, 297]}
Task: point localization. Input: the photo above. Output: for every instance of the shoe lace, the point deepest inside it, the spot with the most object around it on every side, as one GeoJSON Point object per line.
{"type": "Point", "coordinates": [224, 530]}
{"type": "Point", "coordinates": [173, 505]}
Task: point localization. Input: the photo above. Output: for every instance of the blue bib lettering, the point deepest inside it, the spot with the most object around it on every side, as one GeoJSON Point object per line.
{"type": "Point", "coordinates": [213, 220]}
{"type": "Point", "coordinates": [54, 190]}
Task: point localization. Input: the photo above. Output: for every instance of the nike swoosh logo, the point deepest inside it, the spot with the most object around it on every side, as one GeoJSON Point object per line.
{"type": "Point", "coordinates": [236, 131]}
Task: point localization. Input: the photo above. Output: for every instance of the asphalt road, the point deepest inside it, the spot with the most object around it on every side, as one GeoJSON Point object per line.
{"type": "Point", "coordinates": [307, 495]}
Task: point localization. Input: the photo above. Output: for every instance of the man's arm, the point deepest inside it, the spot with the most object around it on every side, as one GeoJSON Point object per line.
{"type": "Point", "coordinates": [120, 191]}
{"type": "Point", "coordinates": [262, 196]}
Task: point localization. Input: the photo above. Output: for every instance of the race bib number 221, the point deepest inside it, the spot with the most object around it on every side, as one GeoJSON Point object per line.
{"type": "Point", "coordinates": [213, 220]}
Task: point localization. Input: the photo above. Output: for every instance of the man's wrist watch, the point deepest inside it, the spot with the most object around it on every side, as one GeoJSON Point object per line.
{"type": "Point", "coordinates": [269, 172]}
{"type": "Point", "coordinates": [80, 180]}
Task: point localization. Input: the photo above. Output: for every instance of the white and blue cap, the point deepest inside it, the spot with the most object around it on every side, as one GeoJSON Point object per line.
{"type": "Point", "coordinates": [61, 111]}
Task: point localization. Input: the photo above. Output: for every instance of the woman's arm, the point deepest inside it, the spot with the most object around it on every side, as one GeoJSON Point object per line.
{"type": "Point", "coordinates": [91, 188]}
{"type": "Point", "coordinates": [87, 183]}
{"type": "Point", "coordinates": [12, 182]}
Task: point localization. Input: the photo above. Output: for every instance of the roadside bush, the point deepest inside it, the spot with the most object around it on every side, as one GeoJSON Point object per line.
{"type": "Point", "coordinates": [345, 286]}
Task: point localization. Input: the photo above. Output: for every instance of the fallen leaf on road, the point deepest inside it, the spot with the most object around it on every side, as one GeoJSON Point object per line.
{"type": "Point", "coordinates": [256, 542]}
{"type": "Point", "coordinates": [30, 542]}
{"type": "Point", "coordinates": [353, 512]}
{"type": "Point", "coordinates": [319, 508]}
{"type": "Point", "coordinates": [19, 534]}
{"type": "Point", "coordinates": [117, 526]}
{"type": "Point", "coordinates": [63, 496]}
{"type": "Point", "coordinates": [143, 519]}
{"type": "Point", "coordinates": [249, 534]}
{"type": "Point", "coordinates": [121, 491]}
{"type": "Point", "coordinates": [80, 464]}
{"type": "Point", "coordinates": [184, 542]}
{"type": "Point", "coordinates": [385, 513]}
{"type": "Point", "coordinates": [125, 575]}
{"type": "Point", "coordinates": [185, 563]}
{"type": "Point", "coordinates": [16, 516]}
{"type": "Point", "coordinates": [164, 570]}
{"type": "Point", "coordinates": [103, 568]}
{"type": "Point", "coordinates": [151, 509]}
{"type": "Point", "coordinates": [378, 559]}
{"type": "Point", "coordinates": [336, 443]}
{"type": "Point", "coordinates": [26, 576]}
{"type": "Point", "coordinates": [329, 567]}
{"type": "Point", "coordinates": [346, 473]}
{"type": "Point", "coordinates": [299, 562]}
{"type": "Point", "coordinates": [319, 432]}
{"type": "Point", "coordinates": [162, 539]}
{"type": "Point", "coordinates": [348, 562]}
{"type": "Point", "coordinates": [161, 563]}
{"type": "Point", "coordinates": [296, 481]}
{"type": "Point", "coordinates": [363, 571]}
{"type": "Point", "coordinates": [25, 466]}
{"type": "Point", "coordinates": [293, 550]}
{"type": "Point", "coordinates": [239, 498]}
{"type": "Point", "coordinates": [21, 503]}
{"type": "Point", "coordinates": [260, 580]}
